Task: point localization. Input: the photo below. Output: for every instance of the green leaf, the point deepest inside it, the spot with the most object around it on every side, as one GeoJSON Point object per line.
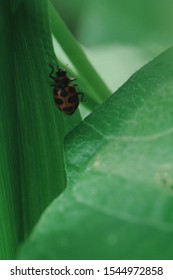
{"type": "Point", "coordinates": [32, 129]}
{"type": "Point", "coordinates": [119, 200]}
{"type": "Point", "coordinates": [10, 225]}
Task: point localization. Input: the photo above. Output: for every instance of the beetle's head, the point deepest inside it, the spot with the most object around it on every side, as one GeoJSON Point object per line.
{"type": "Point", "coordinates": [61, 72]}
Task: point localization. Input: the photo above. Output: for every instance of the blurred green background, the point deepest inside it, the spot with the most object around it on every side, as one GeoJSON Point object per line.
{"type": "Point", "coordinates": [119, 36]}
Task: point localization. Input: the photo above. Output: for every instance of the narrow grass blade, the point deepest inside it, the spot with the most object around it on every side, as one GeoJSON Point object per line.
{"type": "Point", "coordinates": [97, 91]}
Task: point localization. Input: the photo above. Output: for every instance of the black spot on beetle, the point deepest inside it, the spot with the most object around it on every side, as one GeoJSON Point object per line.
{"type": "Point", "coordinates": [68, 109]}
{"type": "Point", "coordinates": [63, 93]}
{"type": "Point", "coordinates": [71, 89]}
{"type": "Point", "coordinates": [73, 99]}
{"type": "Point", "coordinates": [59, 101]}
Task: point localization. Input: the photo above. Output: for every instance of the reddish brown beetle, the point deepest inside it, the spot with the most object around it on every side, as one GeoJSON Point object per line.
{"type": "Point", "coordinates": [66, 96]}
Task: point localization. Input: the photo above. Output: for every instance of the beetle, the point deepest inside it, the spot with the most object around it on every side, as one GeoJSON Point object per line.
{"type": "Point", "coordinates": [66, 97]}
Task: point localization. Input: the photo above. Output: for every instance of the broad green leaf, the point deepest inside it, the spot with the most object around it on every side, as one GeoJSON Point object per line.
{"type": "Point", "coordinates": [119, 200]}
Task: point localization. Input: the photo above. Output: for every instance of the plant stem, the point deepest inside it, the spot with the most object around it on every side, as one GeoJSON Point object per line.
{"type": "Point", "coordinates": [98, 90]}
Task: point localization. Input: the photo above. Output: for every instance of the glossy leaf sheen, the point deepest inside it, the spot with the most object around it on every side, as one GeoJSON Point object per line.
{"type": "Point", "coordinates": [119, 200]}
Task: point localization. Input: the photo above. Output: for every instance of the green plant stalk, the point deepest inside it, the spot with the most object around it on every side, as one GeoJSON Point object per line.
{"type": "Point", "coordinates": [40, 124]}
{"type": "Point", "coordinates": [10, 206]}
{"type": "Point", "coordinates": [98, 90]}
{"type": "Point", "coordinates": [32, 130]}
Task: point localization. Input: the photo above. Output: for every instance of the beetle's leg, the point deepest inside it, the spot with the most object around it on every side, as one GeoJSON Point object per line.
{"type": "Point", "coordinates": [82, 96]}
{"type": "Point", "coordinates": [50, 75]}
